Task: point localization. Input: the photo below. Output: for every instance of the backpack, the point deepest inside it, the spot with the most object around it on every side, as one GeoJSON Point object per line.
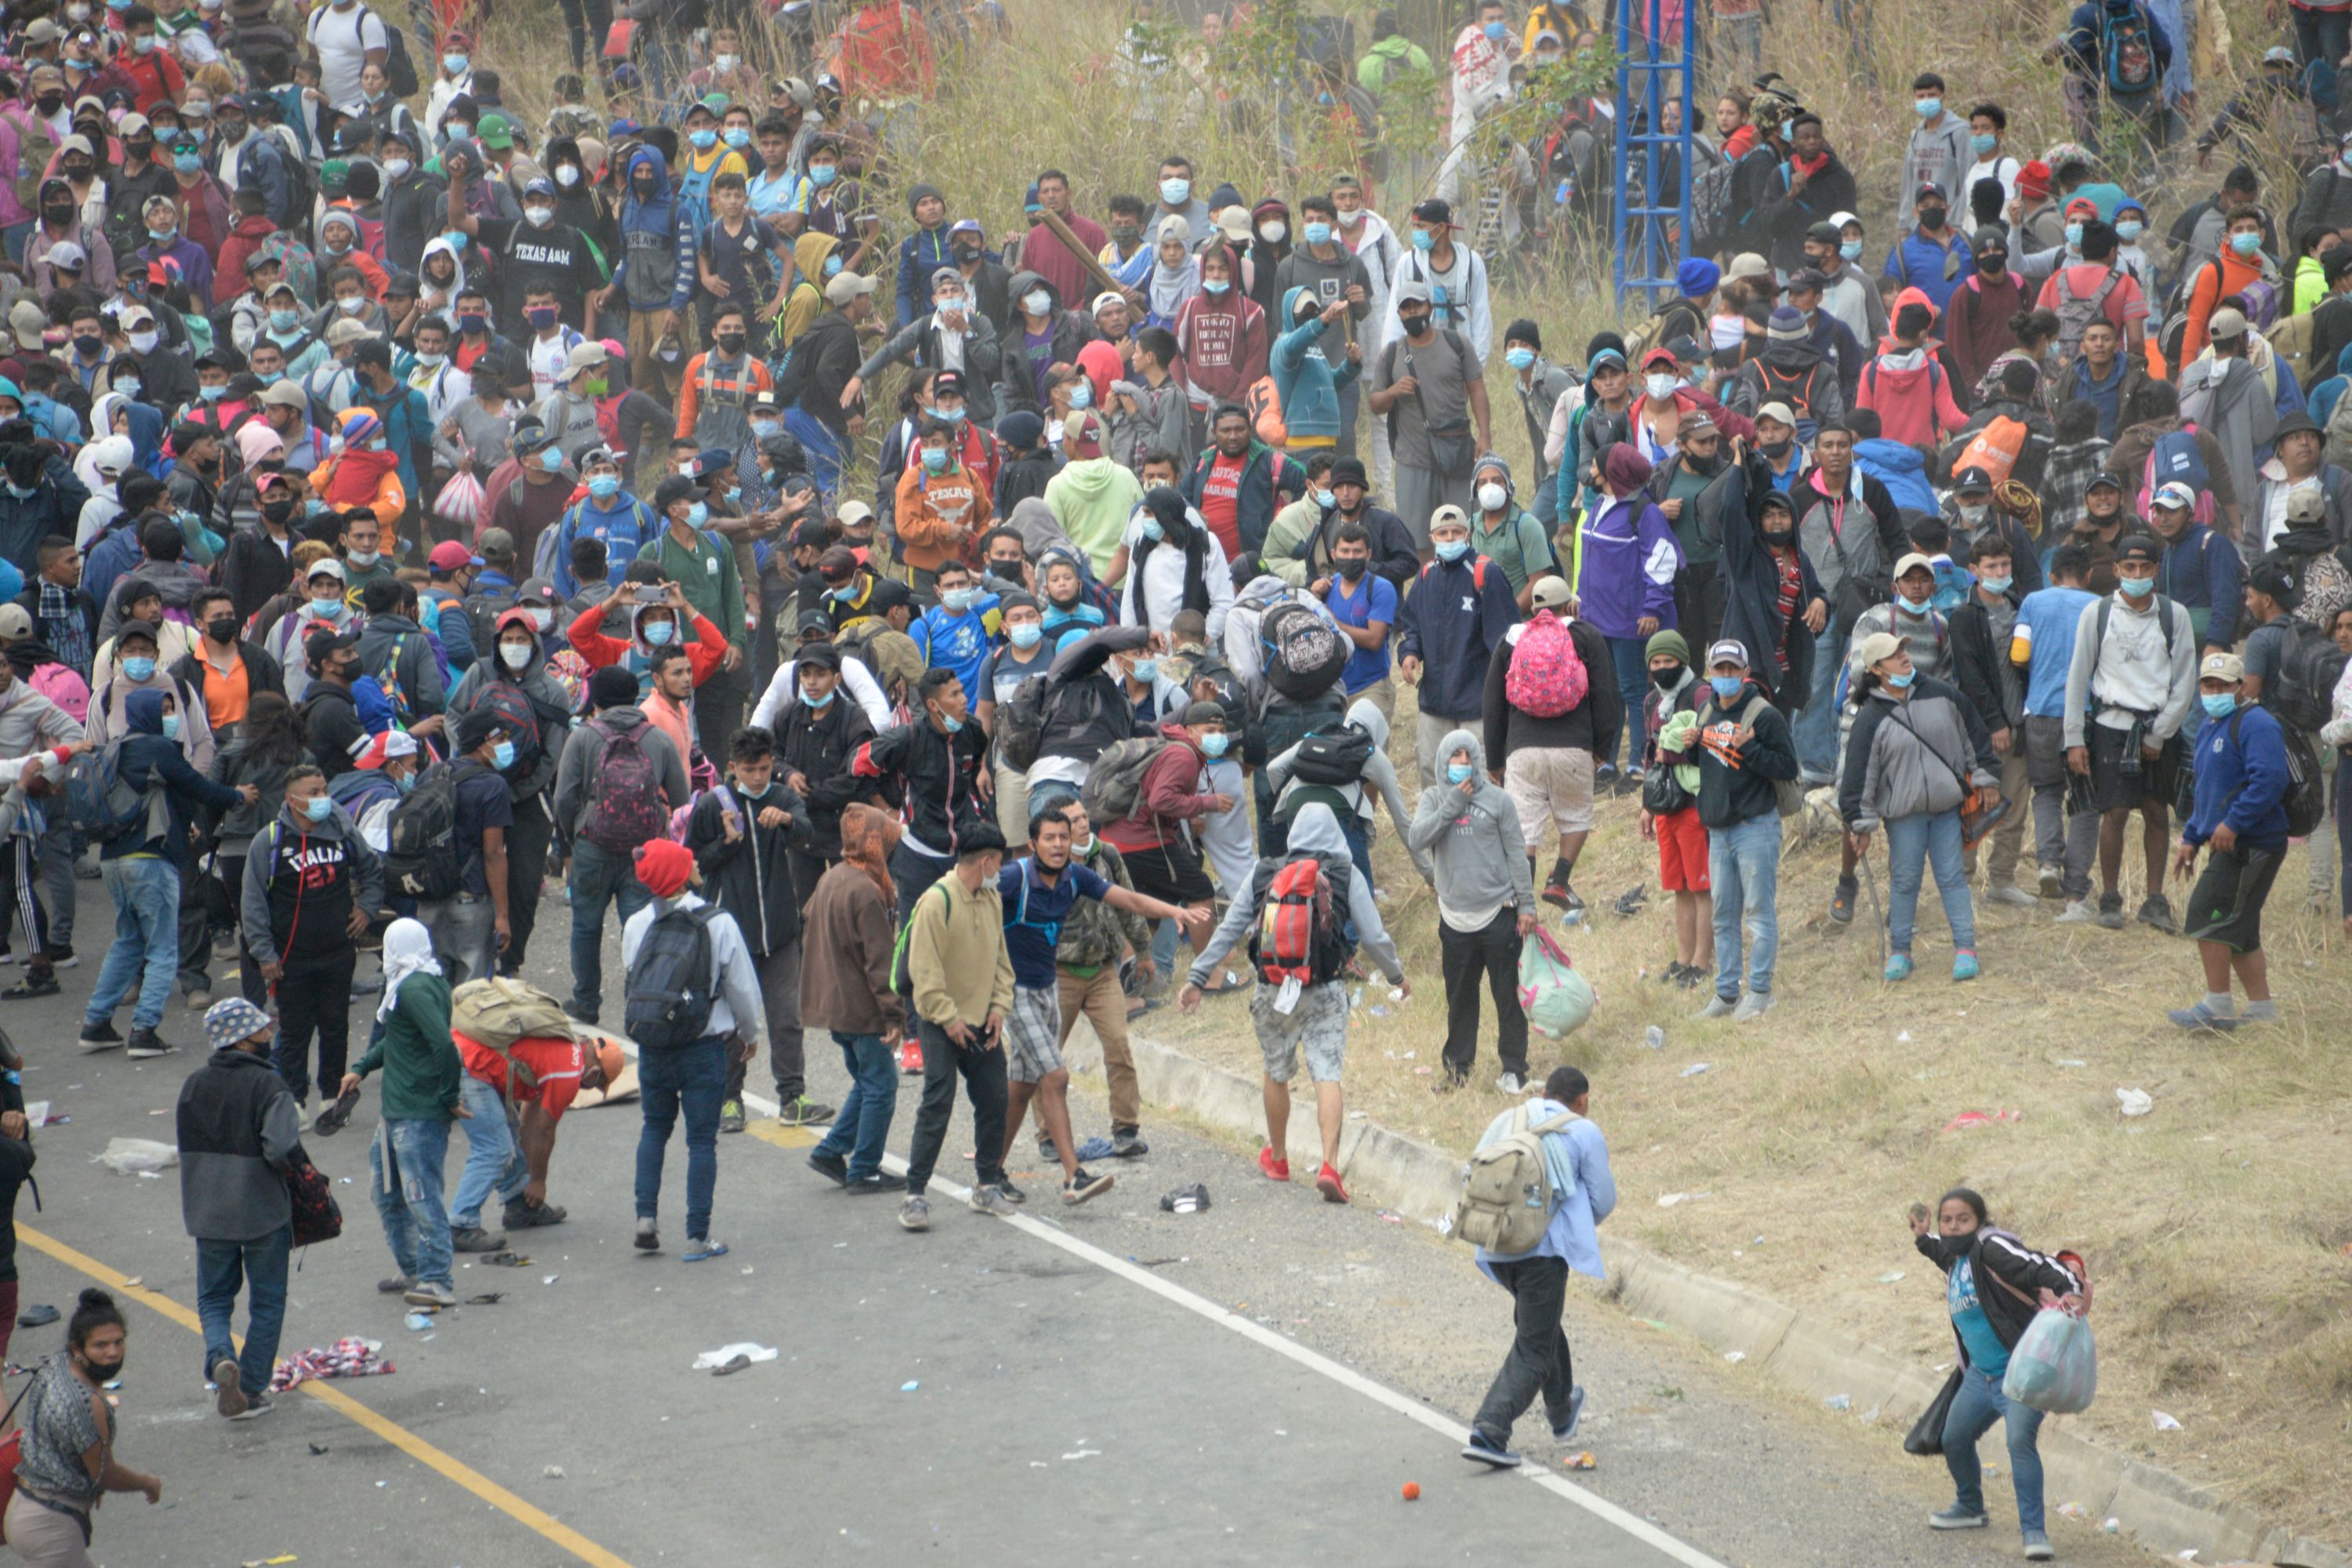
{"type": "Point", "coordinates": [2300, 693]}
{"type": "Point", "coordinates": [101, 803]}
{"type": "Point", "coordinates": [495, 1012]}
{"type": "Point", "coordinates": [1335, 758]}
{"type": "Point", "coordinates": [1713, 223]}
{"type": "Point", "coordinates": [1263, 403]}
{"type": "Point", "coordinates": [483, 610]}
{"type": "Point", "coordinates": [902, 975]}
{"type": "Point", "coordinates": [1506, 1203]}
{"type": "Point", "coordinates": [2076, 312]}
{"type": "Point", "coordinates": [387, 675]}
{"type": "Point", "coordinates": [62, 685]}
{"type": "Point", "coordinates": [1298, 935]}
{"type": "Point", "coordinates": [2175, 456]}
{"type": "Point", "coordinates": [1115, 783]}
{"type": "Point", "coordinates": [421, 858]}
{"type": "Point", "coordinates": [517, 717]}
{"type": "Point", "coordinates": [2127, 49]}
{"type": "Point", "coordinates": [1021, 727]}
{"type": "Point", "coordinates": [396, 63]}
{"type": "Point", "coordinates": [1994, 448]}
{"type": "Point", "coordinates": [2306, 786]}
{"type": "Point", "coordinates": [1305, 653]}
{"type": "Point", "coordinates": [1546, 677]}
{"type": "Point", "coordinates": [671, 987]}
{"type": "Point", "coordinates": [626, 810]}
{"type": "Point", "coordinates": [1791, 388]}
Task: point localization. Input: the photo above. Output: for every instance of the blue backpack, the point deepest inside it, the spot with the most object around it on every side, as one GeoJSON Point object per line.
{"type": "Point", "coordinates": [2127, 49]}
{"type": "Point", "coordinates": [102, 803]}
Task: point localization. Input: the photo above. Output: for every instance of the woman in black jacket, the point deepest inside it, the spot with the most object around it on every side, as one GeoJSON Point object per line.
{"type": "Point", "coordinates": [1994, 1284]}
{"type": "Point", "coordinates": [1757, 525]}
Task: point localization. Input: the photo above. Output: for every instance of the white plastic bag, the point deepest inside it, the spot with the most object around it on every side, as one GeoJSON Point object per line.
{"type": "Point", "coordinates": [1555, 997]}
{"type": "Point", "coordinates": [460, 502]}
{"type": "Point", "coordinates": [2055, 1367]}
{"type": "Point", "coordinates": [131, 1156]}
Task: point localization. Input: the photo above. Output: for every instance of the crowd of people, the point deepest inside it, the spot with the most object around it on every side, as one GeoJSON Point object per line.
{"type": "Point", "coordinates": [423, 508]}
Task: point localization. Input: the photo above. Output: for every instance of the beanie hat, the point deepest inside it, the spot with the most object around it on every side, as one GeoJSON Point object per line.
{"type": "Point", "coordinates": [1787, 326]}
{"type": "Point", "coordinates": [1666, 643]}
{"type": "Point", "coordinates": [663, 865]}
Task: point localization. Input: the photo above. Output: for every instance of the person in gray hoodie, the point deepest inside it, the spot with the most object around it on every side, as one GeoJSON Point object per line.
{"type": "Point", "coordinates": [1293, 794]}
{"type": "Point", "coordinates": [517, 664]}
{"type": "Point", "coordinates": [1917, 756]}
{"type": "Point", "coordinates": [309, 888]}
{"type": "Point", "coordinates": [1486, 904]}
{"type": "Point", "coordinates": [596, 876]}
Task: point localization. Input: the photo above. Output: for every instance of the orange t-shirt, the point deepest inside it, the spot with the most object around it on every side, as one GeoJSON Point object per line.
{"type": "Point", "coordinates": [225, 696]}
{"type": "Point", "coordinates": [555, 1064]}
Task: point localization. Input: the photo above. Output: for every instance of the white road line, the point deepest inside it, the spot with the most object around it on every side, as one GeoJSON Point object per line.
{"type": "Point", "coordinates": [1455, 1432]}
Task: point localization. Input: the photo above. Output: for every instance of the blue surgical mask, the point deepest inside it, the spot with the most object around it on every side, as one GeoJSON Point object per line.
{"type": "Point", "coordinates": [171, 726]}
{"type": "Point", "coordinates": [824, 702]}
{"type": "Point", "coordinates": [657, 633]}
{"type": "Point", "coordinates": [955, 601]}
{"type": "Point", "coordinates": [949, 725]}
{"type": "Point", "coordinates": [2074, 236]}
{"type": "Point", "coordinates": [1152, 530]}
{"type": "Point", "coordinates": [1997, 585]}
{"type": "Point", "coordinates": [1927, 108]}
{"type": "Point", "coordinates": [1147, 669]}
{"type": "Point", "coordinates": [1215, 286]}
{"type": "Point", "coordinates": [1082, 395]}
{"type": "Point", "coordinates": [763, 428]}
{"type": "Point", "coordinates": [704, 141]}
{"type": "Point", "coordinates": [833, 265]}
{"type": "Point", "coordinates": [317, 808]}
{"type": "Point", "coordinates": [734, 494]}
{"type": "Point", "coordinates": [604, 486]}
{"type": "Point", "coordinates": [737, 137]}
{"type": "Point", "coordinates": [823, 175]}
{"type": "Point", "coordinates": [140, 670]}
{"type": "Point", "coordinates": [1458, 773]}
{"type": "Point", "coordinates": [1727, 687]}
{"type": "Point", "coordinates": [1325, 500]}
{"type": "Point", "coordinates": [1518, 359]}
{"type": "Point", "coordinates": [212, 393]}
{"type": "Point", "coordinates": [1851, 249]}
{"type": "Point", "coordinates": [1215, 742]}
{"type": "Point", "coordinates": [846, 592]}
{"type": "Point", "coordinates": [2219, 704]}
{"type": "Point", "coordinates": [935, 459]}
{"type": "Point", "coordinates": [453, 64]}
{"type": "Point", "coordinates": [2128, 229]}
{"type": "Point", "coordinates": [187, 162]}
{"type": "Point", "coordinates": [696, 515]}
{"type": "Point", "coordinates": [1981, 144]}
{"type": "Point", "coordinates": [2245, 244]}
{"type": "Point", "coordinates": [502, 755]}
{"type": "Point", "coordinates": [1029, 634]}
{"type": "Point", "coordinates": [285, 321]}
{"type": "Point", "coordinates": [1452, 549]}
{"type": "Point", "coordinates": [1175, 192]}
{"type": "Point", "coordinates": [2138, 587]}
{"type": "Point", "coordinates": [552, 458]}
{"type": "Point", "coordinates": [1497, 31]}
{"type": "Point", "coordinates": [1903, 681]}
{"type": "Point", "coordinates": [1318, 232]}
{"type": "Point", "coordinates": [1423, 240]}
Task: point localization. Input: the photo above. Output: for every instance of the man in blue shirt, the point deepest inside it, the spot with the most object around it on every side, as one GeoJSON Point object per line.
{"type": "Point", "coordinates": [955, 634]}
{"type": "Point", "coordinates": [1583, 1193]}
{"type": "Point", "coordinates": [1365, 606]}
{"type": "Point", "coordinates": [1935, 257]}
{"type": "Point", "coordinates": [608, 512]}
{"type": "Point", "coordinates": [2241, 818]}
{"type": "Point", "coordinates": [2042, 642]}
{"type": "Point", "coordinates": [1450, 625]}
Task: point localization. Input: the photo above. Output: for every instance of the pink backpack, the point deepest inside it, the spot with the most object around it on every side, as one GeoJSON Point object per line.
{"type": "Point", "coordinates": [60, 685]}
{"type": "Point", "coordinates": [1546, 677]}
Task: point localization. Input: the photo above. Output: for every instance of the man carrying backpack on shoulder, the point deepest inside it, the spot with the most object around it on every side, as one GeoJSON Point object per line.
{"type": "Point", "coordinates": [691, 985]}
{"type": "Point", "coordinates": [1549, 721]}
{"type": "Point", "coordinates": [449, 848]}
{"type": "Point", "coordinates": [1293, 916]}
{"type": "Point", "coordinates": [1579, 1193]}
{"type": "Point", "coordinates": [619, 780]}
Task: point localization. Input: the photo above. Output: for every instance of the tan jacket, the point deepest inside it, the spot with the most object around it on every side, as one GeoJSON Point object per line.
{"type": "Point", "coordinates": [956, 954]}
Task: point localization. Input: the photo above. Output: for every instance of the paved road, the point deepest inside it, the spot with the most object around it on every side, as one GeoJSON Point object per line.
{"type": "Point", "coordinates": [1237, 1386]}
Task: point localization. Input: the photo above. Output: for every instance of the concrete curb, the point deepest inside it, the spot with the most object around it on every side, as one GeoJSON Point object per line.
{"type": "Point", "coordinates": [2163, 1512]}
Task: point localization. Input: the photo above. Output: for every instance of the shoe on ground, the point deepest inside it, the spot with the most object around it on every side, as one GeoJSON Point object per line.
{"type": "Point", "coordinates": [145, 1046]}
{"type": "Point", "coordinates": [648, 1236]}
{"type": "Point", "coordinates": [988, 1200]}
{"type": "Point", "coordinates": [1046, 1153]}
{"type": "Point", "coordinates": [1842, 900]}
{"type": "Point", "coordinates": [2200, 1016]}
{"type": "Point", "coordinates": [1604, 772]}
{"type": "Point", "coordinates": [1128, 1145]}
{"type": "Point", "coordinates": [702, 1249]}
{"type": "Point", "coordinates": [874, 1181]}
{"type": "Point", "coordinates": [1328, 1182]}
{"type": "Point", "coordinates": [1276, 1170]}
{"type": "Point", "coordinates": [1898, 966]}
{"type": "Point", "coordinates": [230, 1399]}
{"type": "Point", "coordinates": [1575, 904]}
{"type": "Point", "coordinates": [1486, 1451]}
{"type": "Point", "coordinates": [1956, 1518]}
{"type": "Point", "coordinates": [578, 1014]}
{"type": "Point", "coordinates": [1566, 1431]}
{"type": "Point", "coordinates": [910, 1062]}
{"type": "Point", "coordinates": [258, 1406]}
{"type": "Point", "coordinates": [1690, 978]}
{"type": "Point", "coordinates": [802, 1111]}
{"type": "Point", "coordinates": [62, 958]}
{"type": "Point", "coordinates": [393, 1285]}
{"type": "Point", "coordinates": [474, 1238]}
{"type": "Point", "coordinates": [1755, 1005]}
{"type": "Point", "coordinates": [199, 1000]}
{"type": "Point", "coordinates": [1718, 1007]}
{"type": "Point", "coordinates": [2158, 912]}
{"type": "Point", "coordinates": [832, 1167]}
{"type": "Point", "coordinates": [100, 1038]}
{"type": "Point", "coordinates": [2037, 1547]}
{"type": "Point", "coordinates": [915, 1214]}
{"type": "Point", "coordinates": [731, 1116]}
{"type": "Point", "coordinates": [425, 1293]}
{"type": "Point", "coordinates": [1555, 893]}
{"type": "Point", "coordinates": [1671, 974]}
{"type": "Point", "coordinates": [1085, 1185]}
{"type": "Point", "coordinates": [1964, 965]}
{"type": "Point", "coordinates": [524, 1214]}
{"type": "Point", "coordinates": [2111, 911]}
{"type": "Point", "coordinates": [36, 983]}
{"type": "Point", "coordinates": [2015, 897]}
{"type": "Point", "coordinates": [1511, 1083]}
{"type": "Point", "coordinates": [2053, 881]}
{"type": "Point", "coordinates": [2077, 912]}
{"type": "Point", "coordinates": [1448, 1080]}
{"type": "Point", "coordinates": [1010, 1194]}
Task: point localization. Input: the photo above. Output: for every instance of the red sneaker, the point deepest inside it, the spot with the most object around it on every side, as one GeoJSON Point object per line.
{"type": "Point", "coordinates": [910, 1058]}
{"type": "Point", "coordinates": [1327, 1181]}
{"type": "Point", "coordinates": [1276, 1170]}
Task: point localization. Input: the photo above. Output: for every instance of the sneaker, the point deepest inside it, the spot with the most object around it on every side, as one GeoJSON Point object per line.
{"type": "Point", "coordinates": [1575, 904]}
{"type": "Point", "coordinates": [1085, 1185]}
{"type": "Point", "coordinates": [1555, 893]}
{"type": "Point", "coordinates": [524, 1214]}
{"type": "Point", "coordinates": [199, 1000]}
{"type": "Point", "coordinates": [648, 1236]}
{"type": "Point", "coordinates": [1898, 966]}
{"type": "Point", "coordinates": [1486, 1451]}
{"type": "Point", "coordinates": [580, 1013]}
{"type": "Point", "coordinates": [1511, 1083]}
{"type": "Point", "coordinates": [230, 1399]}
{"type": "Point", "coordinates": [832, 1167]}
{"type": "Point", "coordinates": [1046, 1153]}
{"type": "Point", "coordinates": [731, 1116]}
{"type": "Point", "coordinates": [1842, 900]}
{"type": "Point", "coordinates": [425, 1293]}
{"type": "Point", "coordinates": [1755, 1005]}
{"type": "Point", "coordinates": [2111, 911]}
{"type": "Point", "coordinates": [910, 1063]}
{"type": "Point", "coordinates": [1011, 1193]}
{"type": "Point", "coordinates": [915, 1214]}
{"type": "Point", "coordinates": [62, 958]}
{"type": "Point", "coordinates": [1964, 965]}
{"type": "Point", "coordinates": [2037, 1547]}
{"type": "Point", "coordinates": [702, 1249]}
{"type": "Point", "coordinates": [1328, 1182]}
{"type": "Point", "coordinates": [259, 1405]}
{"type": "Point", "coordinates": [988, 1200]}
{"type": "Point", "coordinates": [2077, 912]}
{"type": "Point", "coordinates": [1957, 1518]}
{"type": "Point", "coordinates": [874, 1181]}
{"type": "Point", "coordinates": [2200, 1016]}
{"type": "Point", "coordinates": [802, 1111]}
{"type": "Point", "coordinates": [100, 1038]}
{"type": "Point", "coordinates": [1566, 1431]}
{"type": "Point", "coordinates": [1604, 774]}
{"type": "Point", "coordinates": [2053, 881]}
{"type": "Point", "coordinates": [474, 1238]}
{"type": "Point", "coordinates": [1128, 1145]}
{"type": "Point", "coordinates": [1673, 974]}
{"type": "Point", "coordinates": [145, 1047]}
{"type": "Point", "coordinates": [1448, 1081]}
{"type": "Point", "coordinates": [1690, 978]}
{"type": "Point", "coordinates": [2015, 897]}
{"type": "Point", "coordinates": [1718, 1007]}
{"type": "Point", "coordinates": [393, 1285]}
{"type": "Point", "coordinates": [1276, 1170]}
{"type": "Point", "coordinates": [2157, 911]}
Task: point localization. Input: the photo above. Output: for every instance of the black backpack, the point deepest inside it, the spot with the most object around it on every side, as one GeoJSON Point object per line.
{"type": "Point", "coordinates": [421, 858]}
{"type": "Point", "coordinates": [1020, 730]}
{"type": "Point", "coordinates": [671, 987]}
{"type": "Point", "coordinates": [1334, 757]}
{"type": "Point", "coordinates": [2301, 692]}
{"type": "Point", "coordinates": [396, 63]}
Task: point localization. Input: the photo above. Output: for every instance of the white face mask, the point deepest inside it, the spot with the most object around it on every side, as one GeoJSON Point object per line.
{"type": "Point", "coordinates": [1661, 385]}
{"type": "Point", "coordinates": [725, 62]}
{"type": "Point", "coordinates": [1491, 497]}
{"type": "Point", "coordinates": [514, 656]}
{"type": "Point", "coordinates": [1272, 232]}
{"type": "Point", "coordinates": [567, 176]}
{"type": "Point", "coordinates": [143, 343]}
{"type": "Point", "coordinates": [1037, 302]}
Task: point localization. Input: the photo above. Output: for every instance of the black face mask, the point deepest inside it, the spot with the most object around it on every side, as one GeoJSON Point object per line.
{"type": "Point", "coordinates": [1779, 538]}
{"type": "Point", "coordinates": [49, 102]}
{"type": "Point", "coordinates": [730, 343]}
{"type": "Point", "coordinates": [1008, 570]}
{"type": "Point", "coordinates": [57, 216]}
{"type": "Point", "coordinates": [1666, 679]}
{"type": "Point", "coordinates": [1414, 325]}
{"type": "Point", "coordinates": [76, 170]}
{"type": "Point", "coordinates": [104, 1370]}
{"type": "Point", "coordinates": [1352, 569]}
{"type": "Point", "coordinates": [965, 252]}
{"type": "Point", "coordinates": [1776, 450]}
{"type": "Point", "coordinates": [221, 629]}
{"type": "Point", "coordinates": [1932, 218]}
{"type": "Point", "coordinates": [276, 511]}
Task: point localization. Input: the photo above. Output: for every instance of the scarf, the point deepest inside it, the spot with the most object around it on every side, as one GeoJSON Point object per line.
{"type": "Point", "coordinates": [1810, 169]}
{"type": "Point", "coordinates": [407, 949]}
{"type": "Point", "coordinates": [867, 837]}
{"type": "Point", "coordinates": [1171, 286]}
{"type": "Point", "coordinates": [68, 630]}
{"type": "Point", "coordinates": [1166, 506]}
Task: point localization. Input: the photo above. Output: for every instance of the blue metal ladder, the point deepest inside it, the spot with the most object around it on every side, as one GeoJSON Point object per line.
{"type": "Point", "coordinates": [1652, 240]}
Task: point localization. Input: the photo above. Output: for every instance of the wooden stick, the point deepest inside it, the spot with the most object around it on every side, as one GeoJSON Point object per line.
{"type": "Point", "coordinates": [1053, 220]}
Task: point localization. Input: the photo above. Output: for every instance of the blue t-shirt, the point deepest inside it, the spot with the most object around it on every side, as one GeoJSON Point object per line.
{"type": "Point", "coordinates": [957, 642]}
{"type": "Point", "coordinates": [1987, 1354]}
{"type": "Point", "coordinates": [2046, 620]}
{"type": "Point", "coordinates": [1375, 599]}
{"type": "Point", "coordinates": [1034, 914]}
{"type": "Point", "coordinates": [1001, 676]}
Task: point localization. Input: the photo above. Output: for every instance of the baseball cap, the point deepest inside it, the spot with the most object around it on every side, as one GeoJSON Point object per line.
{"type": "Point", "coordinates": [27, 322]}
{"type": "Point", "coordinates": [2226, 322]}
{"type": "Point", "coordinates": [285, 395]}
{"type": "Point", "coordinates": [1972, 481]}
{"type": "Point", "coordinates": [1912, 561]}
{"type": "Point", "coordinates": [1748, 264]}
{"type": "Point", "coordinates": [1926, 191]}
{"type": "Point", "coordinates": [2103, 478]}
{"type": "Point", "coordinates": [348, 332]}
{"type": "Point", "coordinates": [2221, 667]}
{"type": "Point", "coordinates": [847, 285]}
{"type": "Point", "coordinates": [2270, 575]}
{"type": "Point", "coordinates": [677, 487]}
{"type": "Point", "coordinates": [67, 254]}
{"type": "Point", "coordinates": [1878, 645]}
{"type": "Point", "coordinates": [1413, 291]}
{"type": "Point", "coordinates": [2139, 547]}
{"type": "Point", "coordinates": [452, 553]}
{"type": "Point", "coordinates": [852, 515]}
{"type": "Point", "coordinates": [1780, 412]}
{"type": "Point", "coordinates": [1448, 515]}
{"type": "Point", "coordinates": [2175, 495]}
{"type": "Point", "coordinates": [1551, 593]}
{"type": "Point", "coordinates": [1728, 651]}
{"type": "Point", "coordinates": [15, 621]}
{"type": "Point", "coordinates": [584, 355]}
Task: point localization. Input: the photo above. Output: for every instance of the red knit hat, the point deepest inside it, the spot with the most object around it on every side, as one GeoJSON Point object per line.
{"type": "Point", "coordinates": [663, 867]}
{"type": "Point", "coordinates": [2033, 181]}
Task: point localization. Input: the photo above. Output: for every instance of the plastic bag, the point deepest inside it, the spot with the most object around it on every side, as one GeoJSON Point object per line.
{"type": "Point", "coordinates": [131, 1156]}
{"type": "Point", "coordinates": [2055, 1367]}
{"type": "Point", "coordinates": [460, 502]}
{"type": "Point", "coordinates": [1556, 998]}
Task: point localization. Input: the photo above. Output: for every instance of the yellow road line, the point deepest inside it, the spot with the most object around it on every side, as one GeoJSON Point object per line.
{"type": "Point", "coordinates": [335, 1399]}
{"type": "Point", "coordinates": [784, 1137]}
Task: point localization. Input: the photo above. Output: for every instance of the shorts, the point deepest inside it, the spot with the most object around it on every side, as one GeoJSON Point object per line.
{"type": "Point", "coordinates": [2226, 904]}
{"type": "Point", "coordinates": [2112, 789]}
{"type": "Point", "coordinates": [1682, 852]}
{"type": "Point", "coordinates": [1550, 784]}
{"type": "Point", "coordinates": [1319, 1023]}
{"type": "Point", "coordinates": [1032, 1033]}
{"type": "Point", "coordinates": [1170, 873]}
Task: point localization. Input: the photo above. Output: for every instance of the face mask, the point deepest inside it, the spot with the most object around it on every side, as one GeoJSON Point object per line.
{"type": "Point", "coordinates": [142, 343]}
{"type": "Point", "coordinates": [832, 266]}
{"type": "Point", "coordinates": [823, 175]}
{"type": "Point", "coordinates": [1152, 530]}
{"type": "Point", "coordinates": [1452, 549]}
{"type": "Point", "coordinates": [129, 384]}
{"type": "Point", "coordinates": [330, 609]}
{"type": "Point", "coordinates": [2219, 704]}
{"type": "Point", "coordinates": [365, 558]}
{"type": "Point", "coordinates": [212, 393]}
{"type": "Point", "coordinates": [1082, 395]}
{"type": "Point", "coordinates": [1215, 288]}
{"type": "Point", "coordinates": [704, 141]}
{"type": "Point", "coordinates": [739, 138]}
{"type": "Point", "coordinates": [88, 347]}
{"type": "Point", "coordinates": [1423, 239]}
{"type": "Point", "coordinates": [397, 167]}
{"type": "Point", "coordinates": [502, 755]}
{"type": "Point", "coordinates": [1272, 232]}
{"type": "Point", "coordinates": [1974, 516]}
{"type": "Point", "coordinates": [730, 343]}
{"type": "Point", "coordinates": [1353, 568]}
{"type": "Point", "coordinates": [541, 317]}
{"type": "Point", "coordinates": [956, 601]}
{"type": "Point", "coordinates": [454, 131]}
{"type": "Point", "coordinates": [163, 237]}
{"type": "Point", "coordinates": [1213, 745]}
{"type": "Point", "coordinates": [221, 629]}
{"type": "Point", "coordinates": [1666, 679]}
{"type": "Point", "coordinates": [2245, 244]}
{"type": "Point", "coordinates": [724, 62]}
{"type": "Point", "coordinates": [1981, 146]}
{"type": "Point", "coordinates": [2129, 231]}
{"type": "Point", "coordinates": [1911, 606]}
{"type": "Point", "coordinates": [431, 362]}
{"type": "Point", "coordinates": [604, 486]}
{"type": "Point", "coordinates": [1927, 108]}
{"type": "Point", "coordinates": [1660, 386]}
{"type": "Point", "coordinates": [453, 64]}
{"type": "Point", "coordinates": [656, 633]}
{"type": "Point", "coordinates": [1933, 217]}
{"type": "Point", "coordinates": [824, 702]}
{"type": "Point", "coordinates": [317, 808]}
{"type": "Point", "coordinates": [1850, 250]}
{"type": "Point", "coordinates": [1998, 584]}
{"type": "Point", "coordinates": [139, 669]}
{"type": "Point", "coordinates": [1518, 359]}
{"type": "Point", "coordinates": [2138, 587]}
{"type": "Point", "coordinates": [935, 459]}
{"type": "Point", "coordinates": [567, 176]}
{"type": "Point", "coordinates": [1497, 32]}
{"type": "Point", "coordinates": [844, 594]}
{"type": "Point", "coordinates": [352, 306]}
{"type": "Point", "coordinates": [763, 428]}
{"type": "Point", "coordinates": [171, 723]}
{"type": "Point", "coordinates": [2074, 236]}
{"type": "Point", "coordinates": [1147, 669]}
{"type": "Point", "coordinates": [408, 782]}
{"type": "Point", "coordinates": [1415, 322]}
{"type": "Point", "coordinates": [551, 460]}
{"type": "Point", "coordinates": [1491, 497]}
{"type": "Point", "coordinates": [1727, 687]}
{"type": "Point", "coordinates": [538, 217]}
{"type": "Point", "coordinates": [515, 656]}
{"type": "Point", "coordinates": [1318, 233]}
{"type": "Point", "coordinates": [475, 323]}
{"type": "Point", "coordinates": [1029, 634]}
{"type": "Point", "coordinates": [696, 515]}
{"type": "Point", "coordinates": [1458, 773]}
{"type": "Point", "coordinates": [1037, 302]}
{"type": "Point", "coordinates": [1175, 193]}
{"type": "Point", "coordinates": [949, 725]}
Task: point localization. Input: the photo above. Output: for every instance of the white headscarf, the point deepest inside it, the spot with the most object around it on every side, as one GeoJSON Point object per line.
{"type": "Point", "coordinates": [109, 451]}
{"type": "Point", "coordinates": [407, 949]}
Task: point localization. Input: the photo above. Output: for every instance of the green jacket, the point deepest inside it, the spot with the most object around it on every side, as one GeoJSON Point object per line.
{"type": "Point", "coordinates": [416, 1055]}
{"type": "Point", "coordinates": [717, 594]}
{"type": "Point", "coordinates": [1401, 55]}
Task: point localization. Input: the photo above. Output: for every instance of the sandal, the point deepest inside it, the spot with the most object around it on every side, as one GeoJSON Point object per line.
{"type": "Point", "coordinates": [36, 983]}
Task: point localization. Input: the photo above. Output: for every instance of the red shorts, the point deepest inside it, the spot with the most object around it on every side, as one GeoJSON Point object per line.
{"type": "Point", "coordinates": [1682, 852]}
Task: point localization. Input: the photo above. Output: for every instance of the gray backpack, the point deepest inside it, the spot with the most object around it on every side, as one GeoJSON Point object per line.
{"type": "Point", "coordinates": [1505, 1203]}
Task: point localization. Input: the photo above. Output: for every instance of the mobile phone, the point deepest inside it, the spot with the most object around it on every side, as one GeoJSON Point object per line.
{"type": "Point", "coordinates": [651, 593]}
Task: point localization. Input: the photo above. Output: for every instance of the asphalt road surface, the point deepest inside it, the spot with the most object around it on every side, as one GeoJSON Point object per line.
{"type": "Point", "coordinates": [1255, 1383]}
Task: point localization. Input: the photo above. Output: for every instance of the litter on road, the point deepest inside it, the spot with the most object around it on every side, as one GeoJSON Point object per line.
{"type": "Point", "coordinates": [138, 1156]}
{"type": "Point", "coordinates": [725, 1354]}
{"type": "Point", "coordinates": [344, 1358]}
{"type": "Point", "coordinates": [2135, 1102]}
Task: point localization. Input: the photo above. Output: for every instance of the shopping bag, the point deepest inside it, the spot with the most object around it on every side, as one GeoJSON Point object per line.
{"type": "Point", "coordinates": [460, 502]}
{"type": "Point", "coordinates": [1555, 997]}
{"type": "Point", "coordinates": [2053, 1367]}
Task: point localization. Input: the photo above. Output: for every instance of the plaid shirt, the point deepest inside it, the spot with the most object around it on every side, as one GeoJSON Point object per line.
{"type": "Point", "coordinates": [2065, 478]}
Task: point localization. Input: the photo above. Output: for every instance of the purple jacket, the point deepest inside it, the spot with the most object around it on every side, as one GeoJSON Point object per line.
{"type": "Point", "coordinates": [1630, 558]}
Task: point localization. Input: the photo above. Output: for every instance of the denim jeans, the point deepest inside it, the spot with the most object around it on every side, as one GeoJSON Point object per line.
{"type": "Point", "coordinates": [1816, 730]}
{"type": "Point", "coordinates": [863, 1123]}
{"type": "Point", "coordinates": [146, 893]}
{"type": "Point", "coordinates": [416, 1223]}
{"type": "Point", "coordinates": [1912, 842]}
{"type": "Point", "coordinates": [1631, 656]}
{"type": "Point", "coordinates": [493, 1154]}
{"type": "Point", "coordinates": [1539, 1362]}
{"type": "Point", "coordinates": [693, 1078]}
{"type": "Point", "coordinates": [598, 878]}
{"type": "Point", "coordinates": [1743, 865]}
{"type": "Point", "coordinates": [260, 1265]}
{"type": "Point", "coordinates": [1975, 1405]}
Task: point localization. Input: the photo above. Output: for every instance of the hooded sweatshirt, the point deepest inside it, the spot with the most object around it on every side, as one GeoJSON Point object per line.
{"type": "Point", "coordinates": [1092, 497]}
{"type": "Point", "coordinates": [1379, 775]}
{"type": "Point", "coordinates": [1021, 375]}
{"type": "Point", "coordinates": [302, 879]}
{"type": "Point", "coordinates": [550, 703]}
{"type": "Point", "coordinates": [1480, 854]}
{"type": "Point", "coordinates": [150, 763]}
{"type": "Point", "coordinates": [1305, 378]}
{"type": "Point", "coordinates": [656, 270]}
{"type": "Point", "coordinates": [1224, 344]}
{"type": "Point", "coordinates": [1911, 391]}
{"type": "Point", "coordinates": [1314, 831]}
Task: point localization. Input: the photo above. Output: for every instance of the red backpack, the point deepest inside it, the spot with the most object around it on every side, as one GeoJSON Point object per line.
{"type": "Point", "coordinates": [626, 810]}
{"type": "Point", "coordinates": [1298, 935]}
{"type": "Point", "coordinates": [1546, 677]}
